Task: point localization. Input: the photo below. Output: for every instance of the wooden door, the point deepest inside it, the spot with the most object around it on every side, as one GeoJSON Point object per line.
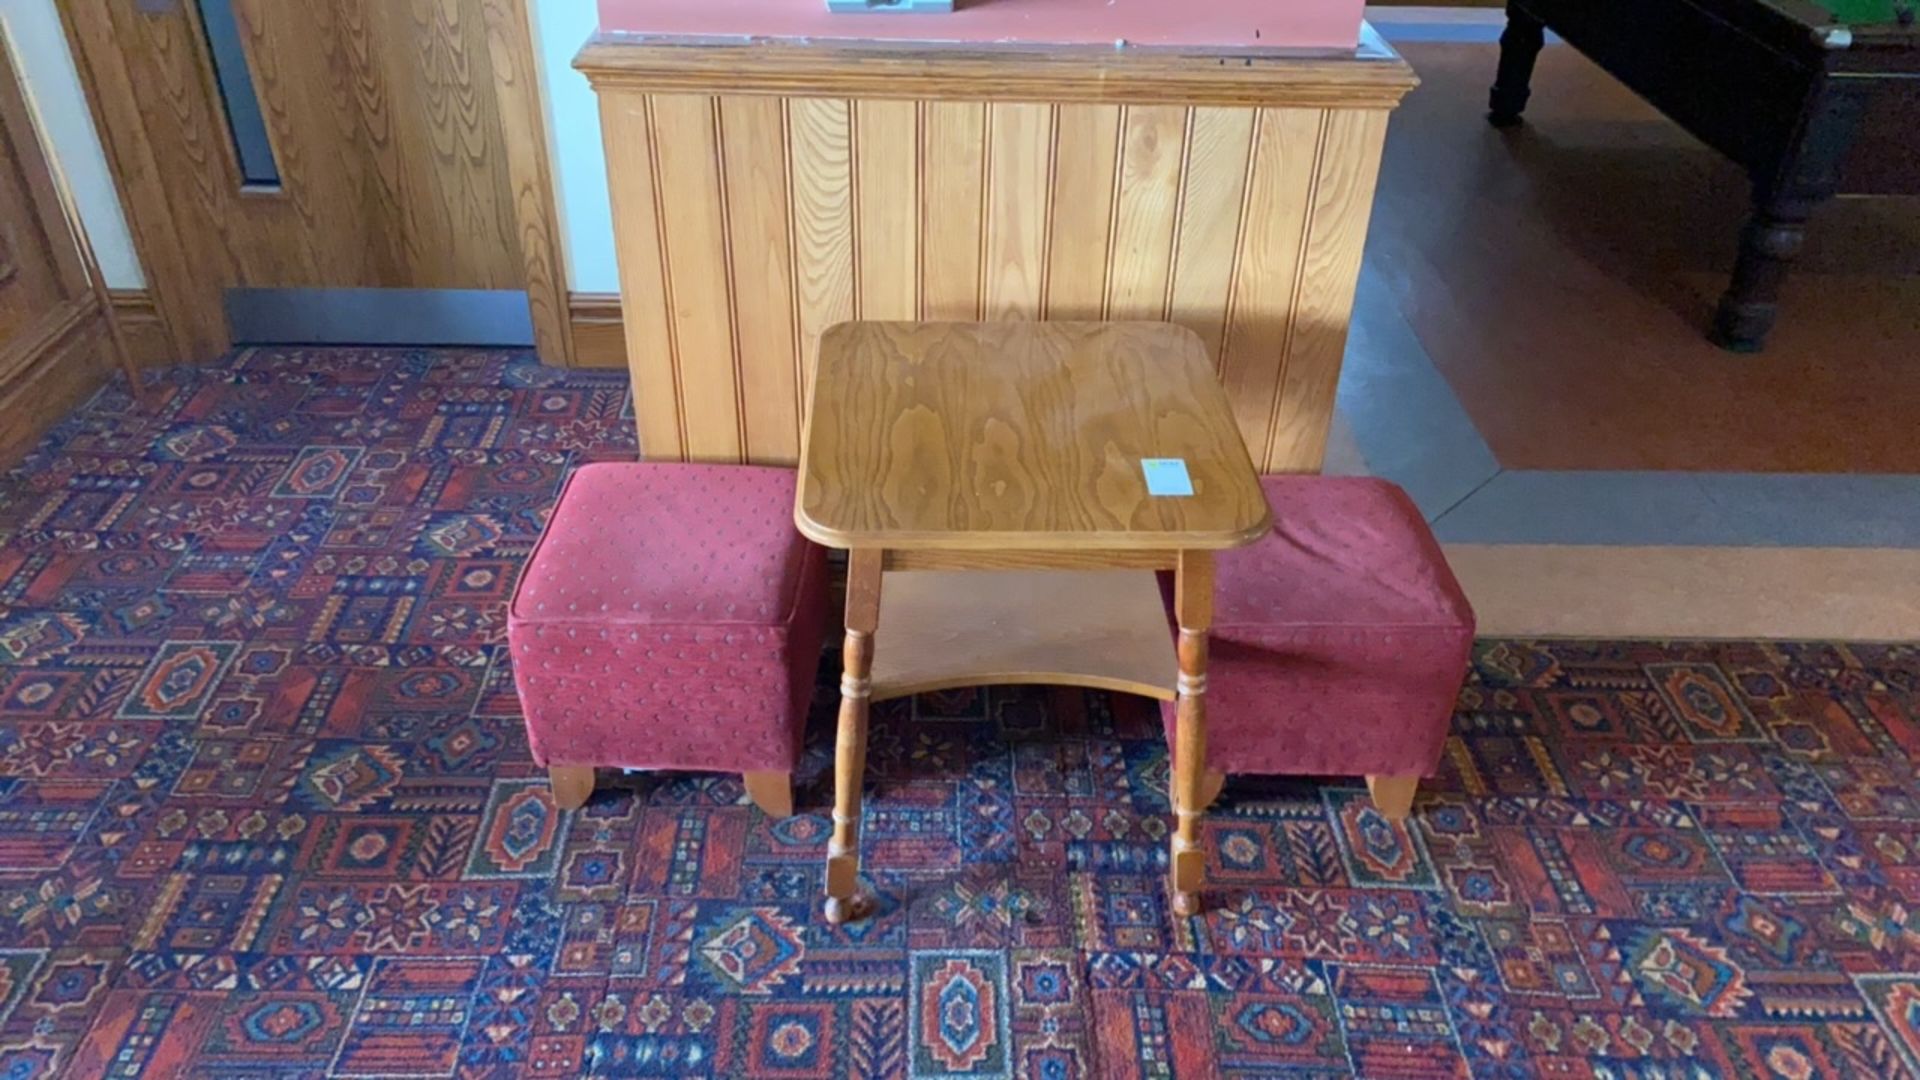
{"type": "Point", "coordinates": [55, 344]}
{"type": "Point", "coordinates": [40, 270]}
{"type": "Point", "coordinates": [406, 136]}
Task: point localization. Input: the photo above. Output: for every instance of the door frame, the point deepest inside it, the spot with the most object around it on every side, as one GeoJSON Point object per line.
{"type": "Point", "coordinates": [64, 354]}
{"type": "Point", "coordinates": [192, 314]}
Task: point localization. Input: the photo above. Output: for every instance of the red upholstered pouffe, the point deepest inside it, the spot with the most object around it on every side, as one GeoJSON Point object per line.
{"type": "Point", "coordinates": [670, 618]}
{"type": "Point", "coordinates": [1339, 641]}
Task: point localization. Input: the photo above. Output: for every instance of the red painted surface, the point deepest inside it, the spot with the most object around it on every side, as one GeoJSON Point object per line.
{"type": "Point", "coordinates": [1234, 24]}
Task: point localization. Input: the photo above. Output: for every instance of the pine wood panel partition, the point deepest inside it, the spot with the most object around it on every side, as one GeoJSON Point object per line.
{"type": "Point", "coordinates": [763, 192]}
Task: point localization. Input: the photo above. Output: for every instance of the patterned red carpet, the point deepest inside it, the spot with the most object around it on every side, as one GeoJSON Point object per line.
{"type": "Point", "coordinates": [266, 810]}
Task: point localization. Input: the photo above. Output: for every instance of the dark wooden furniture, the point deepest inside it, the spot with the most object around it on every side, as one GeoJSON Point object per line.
{"type": "Point", "coordinates": [1811, 103]}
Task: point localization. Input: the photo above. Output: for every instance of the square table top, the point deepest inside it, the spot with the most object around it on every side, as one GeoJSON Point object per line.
{"type": "Point", "coordinates": [1021, 436]}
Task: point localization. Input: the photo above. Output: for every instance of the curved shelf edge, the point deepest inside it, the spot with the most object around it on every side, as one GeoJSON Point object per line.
{"type": "Point", "coordinates": [888, 691]}
{"type": "Point", "coordinates": [947, 629]}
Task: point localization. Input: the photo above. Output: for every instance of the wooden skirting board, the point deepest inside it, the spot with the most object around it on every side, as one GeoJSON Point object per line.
{"type": "Point", "coordinates": [599, 335]}
{"type": "Point", "coordinates": [43, 379]}
{"type": "Point", "coordinates": [146, 335]}
{"type": "Point", "coordinates": [599, 338]}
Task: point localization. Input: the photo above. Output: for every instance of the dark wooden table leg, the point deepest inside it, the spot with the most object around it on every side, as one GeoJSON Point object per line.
{"type": "Point", "coordinates": [1193, 608]}
{"type": "Point", "coordinates": [850, 742]}
{"type": "Point", "coordinates": [1807, 174]}
{"type": "Point", "coordinates": [1519, 47]}
{"type": "Point", "coordinates": [1769, 243]}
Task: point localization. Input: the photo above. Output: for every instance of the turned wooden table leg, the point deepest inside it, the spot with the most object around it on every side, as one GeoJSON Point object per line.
{"type": "Point", "coordinates": [1769, 244]}
{"type": "Point", "coordinates": [850, 742]}
{"type": "Point", "coordinates": [1520, 46]}
{"type": "Point", "coordinates": [1785, 194]}
{"type": "Point", "coordinates": [1193, 607]}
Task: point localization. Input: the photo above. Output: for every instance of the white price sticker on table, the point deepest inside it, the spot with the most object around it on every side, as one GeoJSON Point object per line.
{"type": "Point", "coordinates": [1167, 476]}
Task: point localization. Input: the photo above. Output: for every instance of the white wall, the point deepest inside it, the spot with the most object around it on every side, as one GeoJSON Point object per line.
{"type": "Point", "coordinates": [560, 27]}
{"type": "Point", "coordinates": [53, 89]}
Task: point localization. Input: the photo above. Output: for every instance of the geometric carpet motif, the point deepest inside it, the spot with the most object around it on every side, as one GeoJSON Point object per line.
{"type": "Point", "coordinates": [266, 809]}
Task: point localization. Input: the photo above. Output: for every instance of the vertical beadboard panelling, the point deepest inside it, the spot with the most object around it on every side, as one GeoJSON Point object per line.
{"type": "Point", "coordinates": [1345, 172]}
{"type": "Point", "coordinates": [952, 187]}
{"type": "Point", "coordinates": [1085, 164]}
{"type": "Point", "coordinates": [753, 145]}
{"type": "Point", "coordinates": [693, 220]}
{"type": "Point", "coordinates": [1019, 166]}
{"type": "Point", "coordinates": [650, 353]}
{"type": "Point", "coordinates": [886, 193]}
{"type": "Point", "coordinates": [1219, 145]}
{"type": "Point", "coordinates": [820, 172]}
{"type": "Point", "coordinates": [1267, 267]}
{"type": "Point", "coordinates": [1152, 144]}
{"type": "Point", "coordinates": [752, 223]}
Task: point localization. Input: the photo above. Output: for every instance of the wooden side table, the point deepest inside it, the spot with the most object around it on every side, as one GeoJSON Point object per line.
{"type": "Point", "coordinates": [991, 474]}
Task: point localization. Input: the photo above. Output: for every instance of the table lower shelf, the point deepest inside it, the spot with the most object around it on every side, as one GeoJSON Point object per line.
{"type": "Point", "coordinates": [1102, 629]}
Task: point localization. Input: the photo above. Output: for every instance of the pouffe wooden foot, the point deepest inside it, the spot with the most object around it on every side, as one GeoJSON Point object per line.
{"type": "Point", "coordinates": [772, 792]}
{"type": "Point", "coordinates": [1393, 795]}
{"type": "Point", "coordinates": [572, 785]}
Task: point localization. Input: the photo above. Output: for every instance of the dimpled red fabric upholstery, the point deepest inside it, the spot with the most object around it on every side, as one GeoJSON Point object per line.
{"type": "Point", "coordinates": [669, 618]}
{"type": "Point", "coordinates": [1339, 642]}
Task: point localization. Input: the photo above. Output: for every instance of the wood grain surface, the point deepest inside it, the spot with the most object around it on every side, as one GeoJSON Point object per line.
{"type": "Point", "coordinates": [1021, 436]}
{"type": "Point", "coordinates": [409, 138]}
{"type": "Point", "coordinates": [1086, 176]}
{"type": "Point", "coordinates": [1153, 144]}
{"type": "Point", "coordinates": [520, 104]}
{"type": "Point", "coordinates": [148, 344]}
{"type": "Point", "coordinates": [819, 158]}
{"type": "Point", "coordinates": [58, 368]}
{"type": "Point", "coordinates": [640, 250]}
{"type": "Point", "coordinates": [40, 265]}
{"type": "Point", "coordinates": [952, 206]}
{"type": "Point", "coordinates": [1265, 280]}
{"type": "Point", "coordinates": [687, 167]}
{"type": "Point", "coordinates": [599, 332]}
{"type": "Point", "coordinates": [1244, 225]}
{"type": "Point", "coordinates": [1019, 200]}
{"type": "Point", "coordinates": [1345, 170]}
{"type": "Point", "coordinates": [1212, 213]}
{"type": "Point", "coordinates": [1370, 76]}
{"type": "Point", "coordinates": [55, 338]}
{"type": "Point", "coordinates": [1103, 629]}
{"type": "Point", "coordinates": [752, 140]}
{"type": "Point", "coordinates": [886, 226]}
